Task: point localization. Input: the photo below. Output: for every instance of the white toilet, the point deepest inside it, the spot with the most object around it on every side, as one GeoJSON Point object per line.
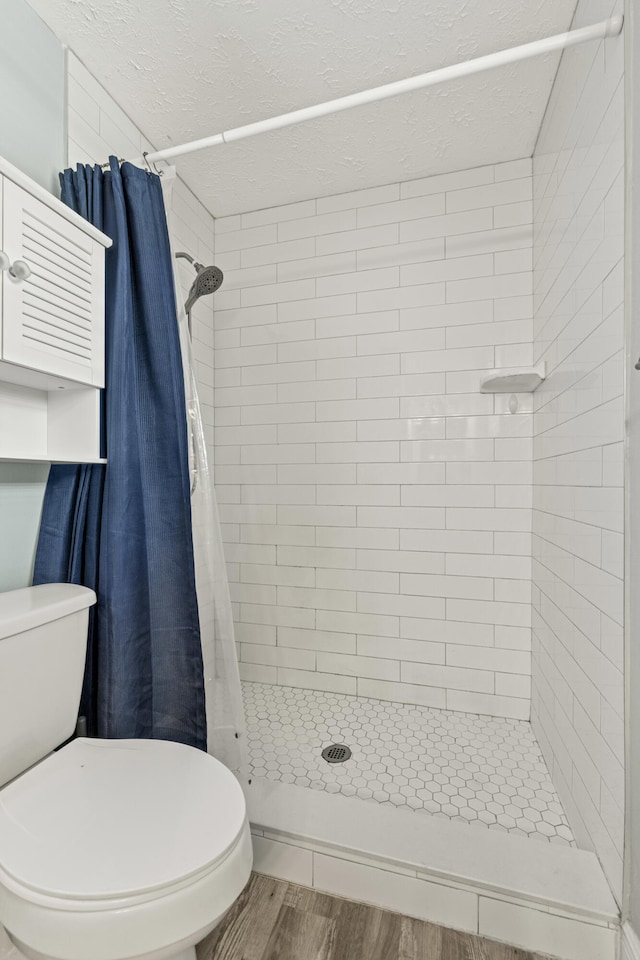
{"type": "Point", "coordinates": [109, 849]}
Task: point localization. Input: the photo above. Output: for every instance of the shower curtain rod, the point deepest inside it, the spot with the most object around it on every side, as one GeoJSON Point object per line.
{"type": "Point", "coordinates": [598, 31]}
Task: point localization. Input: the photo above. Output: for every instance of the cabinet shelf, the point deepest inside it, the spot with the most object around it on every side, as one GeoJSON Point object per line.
{"type": "Point", "coordinates": [59, 425]}
{"type": "Point", "coordinates": [51, 327]}
{"type": "Point", "coordinates": [47, 460]}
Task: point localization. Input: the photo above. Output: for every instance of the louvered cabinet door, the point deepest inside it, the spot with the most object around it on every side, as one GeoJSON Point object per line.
{"type": "Point", "coordinates": [54, 320]}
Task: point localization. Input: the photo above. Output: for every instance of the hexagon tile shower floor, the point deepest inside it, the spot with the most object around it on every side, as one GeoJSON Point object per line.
{"type": "Point", "coordinates": [481, 770]}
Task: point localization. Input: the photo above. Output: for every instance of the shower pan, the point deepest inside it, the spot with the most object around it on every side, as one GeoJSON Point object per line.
{"type": "Point", "coordinates": [481, 771]}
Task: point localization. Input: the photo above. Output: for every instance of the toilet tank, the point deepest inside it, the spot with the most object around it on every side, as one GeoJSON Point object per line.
{"type": "Point", "coordinates": [43, 642]}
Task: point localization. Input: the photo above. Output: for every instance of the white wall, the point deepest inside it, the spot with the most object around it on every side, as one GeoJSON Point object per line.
{"type": "Point", "coordinates": [22, 487]}
{"type": "Point", "coordinates": [32, 109]}
{"type": "Point", "coordinates": [578, 441]}
{"type": "Point", "coordinates": [377, 506]}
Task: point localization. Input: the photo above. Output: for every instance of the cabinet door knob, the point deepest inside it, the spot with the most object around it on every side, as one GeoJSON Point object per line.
{"type": "Point", "coordinates": [5, 263]}
{"type": "Point", "coordinates": [20, 270]}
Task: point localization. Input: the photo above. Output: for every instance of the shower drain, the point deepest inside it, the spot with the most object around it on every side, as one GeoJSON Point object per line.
{"type": "Point", "coordinates": [336, 753]}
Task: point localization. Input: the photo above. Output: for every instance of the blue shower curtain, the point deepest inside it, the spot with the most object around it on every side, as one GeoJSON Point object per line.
{"type": "Point", "coordinates": [124, 529]}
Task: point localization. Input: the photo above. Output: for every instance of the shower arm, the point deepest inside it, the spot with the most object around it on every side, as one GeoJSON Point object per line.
{"type": "Point", "coordinates": [598, 31]}
{"type": "Point", "coordinates": [187, 256]}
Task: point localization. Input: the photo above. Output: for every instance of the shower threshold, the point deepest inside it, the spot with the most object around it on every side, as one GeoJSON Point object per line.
{"type": "Point", "coordinates": [483, 771]}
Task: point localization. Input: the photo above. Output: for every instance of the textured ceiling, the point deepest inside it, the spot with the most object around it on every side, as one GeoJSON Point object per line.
{"type": "Point", "coordinates": [184, 69]}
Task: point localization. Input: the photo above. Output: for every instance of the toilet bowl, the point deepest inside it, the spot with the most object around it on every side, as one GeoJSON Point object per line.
{"type": "Point", "coordinates": [109, 849]}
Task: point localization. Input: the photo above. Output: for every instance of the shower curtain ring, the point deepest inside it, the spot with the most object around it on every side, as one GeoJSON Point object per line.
{"type": "Point", "coordinates": [151, 167]}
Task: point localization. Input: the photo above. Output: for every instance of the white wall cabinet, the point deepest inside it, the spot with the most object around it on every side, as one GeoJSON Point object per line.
{"type": "Point", "coordinates": [51, 325]}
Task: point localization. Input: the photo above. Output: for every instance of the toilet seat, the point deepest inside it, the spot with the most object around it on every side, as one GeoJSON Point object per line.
{"type": "Point", "coordinates": [105, 819]}
{"type": "Point", "coordinates": [112, 819]}
{"type": "Point", "coordinates": [151, 927]}
{"type": "Point", "coordinates": [113, 848]}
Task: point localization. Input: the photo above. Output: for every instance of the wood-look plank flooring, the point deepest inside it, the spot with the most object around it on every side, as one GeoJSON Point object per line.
{"type": "Point", "coordinates": [275, 920]}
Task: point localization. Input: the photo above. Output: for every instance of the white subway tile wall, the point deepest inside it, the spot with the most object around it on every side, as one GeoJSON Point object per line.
{"type": "Point", "coordinates": [577, 699]}
{"type": "Point", "coordinates": [376, 507]}
{"type": "Point", "coordinates": [98, 128]}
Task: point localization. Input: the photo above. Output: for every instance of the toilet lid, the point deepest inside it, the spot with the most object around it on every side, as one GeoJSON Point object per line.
{"type": "Point", "coordinates": [115, 818]}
